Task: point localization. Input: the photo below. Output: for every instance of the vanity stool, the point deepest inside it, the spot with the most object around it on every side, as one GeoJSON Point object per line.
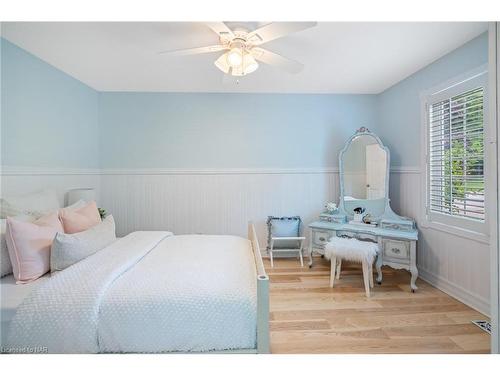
{"type": "Point", "coordinates": [355, 250]}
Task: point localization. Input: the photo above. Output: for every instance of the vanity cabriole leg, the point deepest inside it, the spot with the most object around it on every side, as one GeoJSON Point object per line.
{"type": "Point", "coordinates": [413, 266]}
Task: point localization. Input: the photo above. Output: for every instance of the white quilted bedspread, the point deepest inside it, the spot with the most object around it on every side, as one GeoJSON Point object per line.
{"type": "Point", "coordinates": [147, 292]}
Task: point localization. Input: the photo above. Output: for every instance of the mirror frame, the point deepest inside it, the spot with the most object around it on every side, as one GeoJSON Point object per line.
{"type": "Point", "coordinates": [360, 132]}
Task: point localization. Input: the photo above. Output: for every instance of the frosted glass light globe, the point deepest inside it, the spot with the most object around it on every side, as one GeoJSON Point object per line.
{"type": "Point", "coordinates": [249, 64]}
{"type": "Point", "coordinates": [234, 57]}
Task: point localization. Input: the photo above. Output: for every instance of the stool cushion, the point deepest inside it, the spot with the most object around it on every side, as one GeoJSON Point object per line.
{"type": "Point", "coordinates": [351, 249]}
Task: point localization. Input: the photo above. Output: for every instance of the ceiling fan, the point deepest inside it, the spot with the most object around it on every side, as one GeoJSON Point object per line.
{"type": "Point", "coordinates": [242, 47]}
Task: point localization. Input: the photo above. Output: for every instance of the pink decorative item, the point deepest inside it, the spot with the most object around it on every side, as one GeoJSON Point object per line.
{"type": "Point", "coordinates": [29, 246]}
{"type": "Point", "coordinates": [79, 220]}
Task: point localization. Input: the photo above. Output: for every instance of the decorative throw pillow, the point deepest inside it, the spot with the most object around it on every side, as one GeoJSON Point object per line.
{"type": "Point", "coordinates": [81, 219]}
{"type": "Point", "coordinates": [36, 204]}
{"type": "Point", "coordinates": [5, 263]}
{"type": "Point", "coordinates": [283, 227]}
{"type": "Point", "coordinates": [29, 246]}
{"type": "Point", "coordinates": [67, 249]}
{"type": "Point", "coordinates": [73, 207]}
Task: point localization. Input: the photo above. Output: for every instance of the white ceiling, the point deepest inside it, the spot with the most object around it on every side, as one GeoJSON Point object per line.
{"type": "Point", "coordinates": [339, 57]}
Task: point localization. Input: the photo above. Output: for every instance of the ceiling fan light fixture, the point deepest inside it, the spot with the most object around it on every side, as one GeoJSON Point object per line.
{"type": "Point", "coordinates": [222, 64]}
{"type": "Point", "coordinates": [234, 57]}
{"type": "Point", "coordinates": [250, 65]}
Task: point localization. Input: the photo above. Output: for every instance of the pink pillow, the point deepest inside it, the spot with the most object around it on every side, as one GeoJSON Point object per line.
{"type": "Point", "coordinates": [81, 219]}
{"type": "Point", "coordinates": [29, 246]}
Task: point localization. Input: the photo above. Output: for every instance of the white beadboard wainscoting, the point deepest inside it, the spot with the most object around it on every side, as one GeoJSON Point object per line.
{"type": "Point", "coordinates": [223, 201]}
{"type": "Point", "coordinates": [214, 202]}
{"type": "Point", "coordinates": [457, 265]}
{"type": "Point", "coordinates": [17, 181]}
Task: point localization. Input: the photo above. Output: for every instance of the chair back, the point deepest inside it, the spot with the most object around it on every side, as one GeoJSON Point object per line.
{"type": "Point", "coordinates": [285, 226]}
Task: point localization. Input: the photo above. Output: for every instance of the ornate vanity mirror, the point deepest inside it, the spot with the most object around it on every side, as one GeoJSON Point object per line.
{"type": "Point", "coordinates": [364, 175]}
{"type": "Point", "coordinates": [364, 181]}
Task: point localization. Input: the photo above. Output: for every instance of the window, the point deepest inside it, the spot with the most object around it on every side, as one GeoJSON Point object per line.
{"type": "Point", "coordinates": [456, 151]}
{"type": "Point", "coordinates": [456, 154]}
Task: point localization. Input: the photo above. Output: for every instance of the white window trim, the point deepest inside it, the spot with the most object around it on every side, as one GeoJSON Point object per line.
{"type": "Point", "coordinates": [463, 227]}
{"type": "Point", "coordinates": [494, 202]}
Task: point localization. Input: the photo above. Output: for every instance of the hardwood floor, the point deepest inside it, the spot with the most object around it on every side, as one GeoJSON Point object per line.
{"type": "Point", "coordinates": [309, 317]}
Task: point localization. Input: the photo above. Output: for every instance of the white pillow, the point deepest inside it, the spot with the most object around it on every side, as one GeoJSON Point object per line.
{"type": "Point", "coordinates": [35, 204]}
{"type": "Point", "coordinates": [75, 206]}
{"type": "Point", "coordinates": [67, 249]}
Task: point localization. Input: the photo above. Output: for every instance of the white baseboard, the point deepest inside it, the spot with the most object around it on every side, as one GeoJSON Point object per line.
{"type": "Point", "coordinates": [472, 300]}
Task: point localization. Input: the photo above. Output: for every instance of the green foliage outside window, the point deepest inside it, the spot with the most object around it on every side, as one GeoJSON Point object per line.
{"type": "Point", "coordinates": [464, 160]}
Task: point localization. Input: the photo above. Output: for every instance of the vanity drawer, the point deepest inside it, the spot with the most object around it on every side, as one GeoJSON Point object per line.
{"type": "Point", "coordinates": [407, 227]}
{"type": "Point", "coordinates": [366, 237]}
{"type": "Point", "coordinates": [358, 235]}
{"type": "Point", "coordinates": [398, 250]}
{"type": "Point", "coordinates": [320, 238]}
{"type": "Point", "coordinates": [346, 234]}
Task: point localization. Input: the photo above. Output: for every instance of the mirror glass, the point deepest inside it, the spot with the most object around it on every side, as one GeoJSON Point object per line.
{"type": "Point", "coordinates": [364, 170]}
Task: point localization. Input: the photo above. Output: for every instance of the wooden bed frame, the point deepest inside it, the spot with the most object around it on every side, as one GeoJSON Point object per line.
{"type": "Point", "coordinates": [263, 346]}
{"type": "Point", "coordinates": [262, 294]}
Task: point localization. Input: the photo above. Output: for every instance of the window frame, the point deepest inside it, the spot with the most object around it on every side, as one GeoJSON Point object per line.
{"type": "Point", "coordinates": [461, 226]}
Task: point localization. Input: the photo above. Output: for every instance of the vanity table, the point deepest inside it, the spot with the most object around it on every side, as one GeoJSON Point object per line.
{"type": "Point", "coordinates": [364, 183]}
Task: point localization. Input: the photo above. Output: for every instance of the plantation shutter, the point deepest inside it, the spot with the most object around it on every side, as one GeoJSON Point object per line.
{"type": "Point", "coordinates": [456, 155]}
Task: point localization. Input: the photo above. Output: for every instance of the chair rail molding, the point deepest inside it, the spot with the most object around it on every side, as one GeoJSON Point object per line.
{"type": "Point", "coordinates": [36, 171]}
{"type": "Point", "coordinates": [47, 171]}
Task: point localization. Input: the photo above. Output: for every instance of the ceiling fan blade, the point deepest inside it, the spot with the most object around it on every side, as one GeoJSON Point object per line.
{"type": "Point", "coordinates": [193, 51]}
{"type": "Point", "coordinates": [271, 58]}
{"type": "Point", "coordinates": [277, 30]}
{"type": "Point", "coordinates": [221, 29]}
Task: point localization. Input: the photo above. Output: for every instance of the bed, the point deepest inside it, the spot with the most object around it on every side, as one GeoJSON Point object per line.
{"type": "Point", "coordinates": [11, 296]}
{"type": "Point", "coordinates": [148, 292]}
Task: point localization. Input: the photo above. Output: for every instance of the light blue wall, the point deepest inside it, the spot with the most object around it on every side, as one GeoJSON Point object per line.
{"type": "Point", "coordinates": [156, 130]}
{"type": "Point", "coordinates": [49, 119]}
{"type": "Point", "coordinates": [52, 120]}
{"type": "Point", "coordinates": [159, 130]}
{"type": "Point", "coordinates": [399, 118]}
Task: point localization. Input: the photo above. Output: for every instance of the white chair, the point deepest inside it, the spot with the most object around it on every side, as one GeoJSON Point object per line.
{"type": "Point", "coordinates": [300, 241]}
{"type": "Point", "coordinates": [284, 237]}
{"type": "Point", "coordinates": [338, 249]}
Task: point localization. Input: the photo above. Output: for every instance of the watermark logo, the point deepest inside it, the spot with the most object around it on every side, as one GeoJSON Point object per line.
{"type": "Point", "coordinates": [24, 350]}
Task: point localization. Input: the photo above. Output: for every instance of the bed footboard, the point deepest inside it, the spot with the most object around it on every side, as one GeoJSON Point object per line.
{"type": "Point", "coordinates": [262, 294]}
